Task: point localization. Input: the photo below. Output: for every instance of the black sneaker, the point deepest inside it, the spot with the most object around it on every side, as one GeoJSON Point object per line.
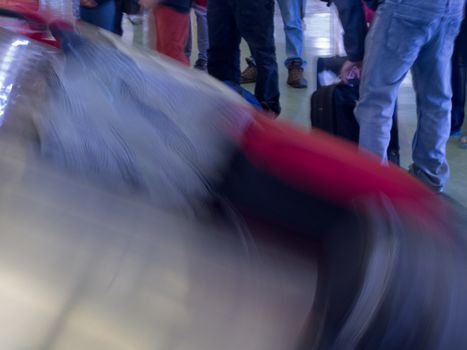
{"type": "Point", "coordinates": [201, 65]}
{"type": "Point", "coordinates": [394, 157]}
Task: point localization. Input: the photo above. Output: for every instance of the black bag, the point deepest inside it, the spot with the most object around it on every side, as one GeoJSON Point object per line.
{"type": "Point", "coordinates": [332, 108]}
{"type": "Point", "coordinates": [130, 7]}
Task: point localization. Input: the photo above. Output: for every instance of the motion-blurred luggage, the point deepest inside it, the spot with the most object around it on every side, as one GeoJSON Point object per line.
{"type": "Point", "coordinates": [110, 196]}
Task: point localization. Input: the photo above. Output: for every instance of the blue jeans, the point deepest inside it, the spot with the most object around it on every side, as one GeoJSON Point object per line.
{"type": "Point", "coordinates": [75, 8]}
{"type": "Point", "coordinates": [291, 11]}
{"type": "Point", "coordinates": [104, 15]}
{"type": "Point", "coordinates": [417, 34]}
{"type": "Point", "coordinates": [228, 22]}
{"type": "Point", "coordinates": [202, 32]}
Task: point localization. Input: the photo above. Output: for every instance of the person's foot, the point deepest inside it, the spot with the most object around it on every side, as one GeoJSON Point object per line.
{"type": "Point", "coordinates": [425, 178]}
{"type": "Point", "coordinates": [201, 65]}
{"type": "Point", "coordinates": [394, 157]}
{"type": "Point", "coordinates": [87, 3]}
{"type": "Point", "coordinates": [248, 76]}
{"type": "Point", "coordinates": [296, 79]}
{"type": "Point", "coordinates": [455, 133]}
{"type": "Point", "coordinates": [463, 141]}
{"type": "Point", "coordinates": [272, 109]}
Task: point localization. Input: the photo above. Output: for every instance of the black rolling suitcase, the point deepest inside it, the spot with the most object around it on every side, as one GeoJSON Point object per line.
{"type": "Point", "coordinates": [332, 106]}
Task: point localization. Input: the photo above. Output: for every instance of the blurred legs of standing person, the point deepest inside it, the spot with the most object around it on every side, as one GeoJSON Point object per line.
{"type": "Point", "coordinates": [172, 25]}
{"type": "Point", "coordinates": [418, 34]}
{"type": "Point", "coordinates": [200, 8]}
{"type": "Point", "coordinates": [101, 13]}
{"type": "Point", "coordinates": [228, 22]}
{"type": "Point", "coordinates": [291, 11]}
{"type": "Point", "coordinates": [459, 81]}
{"type": "Point", "coordinates": [75, 8]}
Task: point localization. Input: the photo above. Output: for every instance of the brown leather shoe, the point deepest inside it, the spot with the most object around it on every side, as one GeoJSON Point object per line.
{"type": "Point", "coordinates": [248, 76]}
{"type": "Point", "coordinates": [296, 79]}
{"type": "Point", "coordinates": [463, 141]}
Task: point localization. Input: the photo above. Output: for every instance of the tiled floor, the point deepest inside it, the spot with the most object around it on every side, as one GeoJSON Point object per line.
{"type": "Point", "coordinates": [321, 31]}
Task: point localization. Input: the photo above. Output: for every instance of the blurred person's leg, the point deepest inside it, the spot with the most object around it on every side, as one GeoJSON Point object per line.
{"type": "Point", "coordinates": [391, 44]}
{"type": "Point", "coordinates": [189, 41]}
{"type": "Point", "coordinates": [171, 32]}
{"type": "Point", "coordinates": [224, 41]}
{"type": "Point", "coordinates": [432, 82]}
{"type": "Point", "coordinates": [118, 29]}
{"type": "Point", "coordinates": [291, 11]}
{"type": "Point", "coordinates": [203, 36]}
{"type": "Point", "coordinates": [148, 30]}
{"type": "Point", "coordinates": [459, 80]}
{"type": "Point", "coordinates": [255, 20]}
{"type": "Point", "coordinates": [137, 23]}
{"type": "Point", "coordinates": [378, 87]}
{"type": "Point", "coordinates": [103, 15]}
{"type": "Point", "coordinates": [75, 8]}
{"type": "Point", "coordinates": [397, 37]}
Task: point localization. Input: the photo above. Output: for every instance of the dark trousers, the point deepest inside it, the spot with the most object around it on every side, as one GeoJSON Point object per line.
{"type": "Point", "coordinates": [459, 79]}
{"type": "Point", "coordinates": [106, 15]}
{"type": "Point", "coordinates": [228, 22]}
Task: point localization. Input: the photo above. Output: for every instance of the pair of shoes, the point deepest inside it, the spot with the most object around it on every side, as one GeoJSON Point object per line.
{"type": "Point", "coordinates": [201, 65]}
{"type": "Point", "coordinates": [296, 79]}
{"type": "Point", "coordinates": [248, 76]}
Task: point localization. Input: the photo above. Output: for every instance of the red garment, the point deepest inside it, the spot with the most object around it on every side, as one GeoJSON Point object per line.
{"type": "Point", "coordinates": [29, 4]}
{"type": "Point", "coordinates": [202, 3]}
{"type": "Point", "coordinates": [369, 13]}
{"type": "Point", "coordinates": [316, 164]}
{"type": "Point", "coordinates": [171, 32]}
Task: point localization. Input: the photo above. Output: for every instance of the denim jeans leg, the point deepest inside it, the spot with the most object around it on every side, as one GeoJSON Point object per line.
{"type": "Point", "coordinates": [255, 21]}
{"type": "Point", "coordinates": [224, 40]}
{"type": "Point", "coordinates": [433, 90]}
{"type": "Point", "coordinates": [291, 16]}
{"type": "Point", "coordinates": [379, 87]}
{"type": "Point", "coordinates": [75, 8]}
{"type": "Point", "coordinates": [399, 39]}
{"type": "Point", "coordinates": [203, 36]}
{"type": "Point", "coordinates": [189, 41]}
